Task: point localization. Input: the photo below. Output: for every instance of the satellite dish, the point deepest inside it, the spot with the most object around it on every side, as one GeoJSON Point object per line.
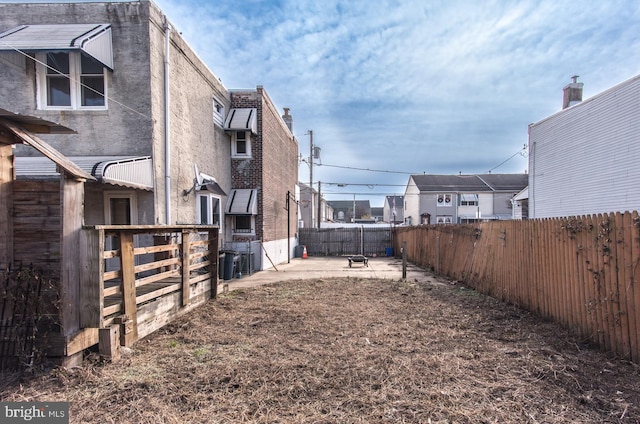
{"type": "Point", "coordinates": [198, 179]}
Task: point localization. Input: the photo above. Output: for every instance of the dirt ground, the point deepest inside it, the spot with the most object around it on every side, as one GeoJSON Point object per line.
{"type": "Point", "coordinates": [349, 351]}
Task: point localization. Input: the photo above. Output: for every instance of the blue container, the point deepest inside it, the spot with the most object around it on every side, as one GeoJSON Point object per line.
{"type": "Point", "coordinates": [389, 251]}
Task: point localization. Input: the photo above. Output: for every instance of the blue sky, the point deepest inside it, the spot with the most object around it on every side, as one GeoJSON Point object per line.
{"type": "Point", "coordinates": [412, 86]}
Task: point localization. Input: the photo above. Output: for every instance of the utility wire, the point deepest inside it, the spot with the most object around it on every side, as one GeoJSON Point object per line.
{"type": "Point", "coordinates": [367, 169]}
{"type": "Point", "coordinates": [519, 152]}
{"type": "Point", "coordinates": [111, 99]}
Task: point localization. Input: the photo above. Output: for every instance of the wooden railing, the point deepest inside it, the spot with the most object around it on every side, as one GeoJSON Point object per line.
{"type": "Point", "coordinates": [581, 271]}
{"type": "Point", "coordinates": [140, 278]}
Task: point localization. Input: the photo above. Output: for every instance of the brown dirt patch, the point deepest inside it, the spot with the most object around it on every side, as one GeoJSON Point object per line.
{"type": "Point", "coordinates": [348, 351]}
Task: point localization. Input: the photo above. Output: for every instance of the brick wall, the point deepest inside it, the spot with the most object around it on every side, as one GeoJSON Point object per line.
{"type": "Point", "coordinates": [272, 168]}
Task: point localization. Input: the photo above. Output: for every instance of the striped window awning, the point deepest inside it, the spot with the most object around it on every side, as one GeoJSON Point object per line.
{"type": "Point", "coordinates": [242, 119]}
{"type": "Point", "coordinates": [124, 171]}
{"type": "Point", "coordinates": [242, 202]}
{"type": "Point", "coordinates": [92, 39]}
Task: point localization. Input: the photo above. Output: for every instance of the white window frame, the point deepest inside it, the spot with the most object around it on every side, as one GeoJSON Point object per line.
{"type": "Point", "coordinates": [444, 200]}
{"type": "Point", "coordinates": [251, 232]}
{"type": "Point", "coordinates": [75, 74]}
{"type": "Point", "coordinates": [133, 205]}
{"type": "Point", "coordinates": [219, 112]}
{"type": "Point", "coordinates": [234, 145]}
{"type": "Point", "coordinates": [208, 199]}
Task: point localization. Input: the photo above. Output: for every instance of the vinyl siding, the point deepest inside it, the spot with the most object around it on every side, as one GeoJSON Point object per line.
{"type": "Point", "coordinates": [585, 159]}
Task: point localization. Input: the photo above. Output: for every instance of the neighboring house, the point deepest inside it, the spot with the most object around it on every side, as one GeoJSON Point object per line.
{"type": "Point", "coordinates": [150, 119]}
{"type": "Point", "coordinates": [308, 205]}
{"type": "Point", "coordinates": [393, 210]}
{"type": "Point", "coordinates": [584, 159]}
{"type": "Point", "coordinates": [377, 214]}
{"type": "Point", "coordinates": [520, 204]}
{"type": "Point", "coordinates": [343, 210]}
{"type": "Point", "coordinates": [454, 199]}
{"type": "Point", "coordinates": [264, 174]}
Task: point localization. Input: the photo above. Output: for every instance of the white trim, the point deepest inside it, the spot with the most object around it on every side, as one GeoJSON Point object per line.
{"type": "Point", "coordinates": [75, 87]}
{"type": "Point", "coordinates": [234, 145]}
{"type": "Point", "coordinates": [133, 204]}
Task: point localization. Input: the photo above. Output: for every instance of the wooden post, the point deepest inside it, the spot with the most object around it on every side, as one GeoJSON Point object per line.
{"type": "Point", "coordinates": [6, 212]}
{"type": "Point", "coordinates": [129, 306]}
{"type": "Point", "coordinates": [91, 280]}
{"type": "Point", "coordinates": [404, 259]}
{"type": "Point", "coordinates": [213, 256]}
{"type": "Point", "coordinates": [109, 343]}
{"type": "Point", "coordinates": [186, 264]}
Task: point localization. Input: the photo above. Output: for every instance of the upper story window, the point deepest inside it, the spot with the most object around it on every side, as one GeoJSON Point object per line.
{"type": "Point", "coordinates": [241, 144]}
{"type": "Point", "coordinates": [71, 80]}
{"type": "Point", "coordinates": [218, 112]}
{"type": "Point", "coordinates": [468, 200]}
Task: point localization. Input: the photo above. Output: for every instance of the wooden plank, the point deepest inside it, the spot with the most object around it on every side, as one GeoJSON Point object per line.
{"type": "Point", "coordinates": [186, 268]}
{"type": "Point", "coordinates": [634, 281]}
{"type": "Point", "coordinates": [31, 139]}
{"type": "Point", "coordinates": [158, 293]}
{"type": "Point", "coordinates": [109, 343]}
{"type": "Point", "coordinates": [607, 230]}
{"type": "Point", "coordinates": [128, 285]}
{"type": "Point", "coordinates": [621, 267]}
{"type": "Point", "coordinates": [72, 204]}
{"type": "Point", "coordinates": [6, 211]}
{"type": "Point", "coordinates": [81, 340]}
{"type": "Point", "coordinates": [157, 249]}
{"type": "Point", "coordinates": [172, 262]}
{"type": "Point", "coordinates": [212, 237]}
{"type": "Point", "coordinates": [157, 277]}
{"type": "Point", "coordinates": [111, 275]}
{"type": "Point", "coordinates": [91, 282]}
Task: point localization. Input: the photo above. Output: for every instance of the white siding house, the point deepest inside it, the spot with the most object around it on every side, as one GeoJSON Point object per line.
{"type": "Point", "coordinates": [585, 159]}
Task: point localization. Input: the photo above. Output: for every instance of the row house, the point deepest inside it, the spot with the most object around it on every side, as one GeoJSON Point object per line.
{"type": "Point", "coordinates": [153, 124]}
{"type": "Point", "coordinates": [455, 199]}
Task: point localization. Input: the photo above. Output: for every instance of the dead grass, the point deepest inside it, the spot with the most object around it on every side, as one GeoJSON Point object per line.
{"type": "Point", "coordinates": [349, 351]}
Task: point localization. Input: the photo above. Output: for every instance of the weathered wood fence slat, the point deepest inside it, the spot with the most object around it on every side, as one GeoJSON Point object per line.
{"type": "Point", "coordinates": [578, 271]}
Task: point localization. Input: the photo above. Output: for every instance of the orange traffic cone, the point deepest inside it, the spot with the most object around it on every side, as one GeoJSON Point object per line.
{"type": "Point", "coordinates": [304, 252]}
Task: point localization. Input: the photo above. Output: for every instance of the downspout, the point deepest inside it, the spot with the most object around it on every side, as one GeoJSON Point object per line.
{"type": "Point", "coordinates": [167, 125]}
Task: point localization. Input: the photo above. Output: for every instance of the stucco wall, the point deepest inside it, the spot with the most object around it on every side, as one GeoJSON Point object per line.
{"type": "Point", "coordinates": [134, 123]}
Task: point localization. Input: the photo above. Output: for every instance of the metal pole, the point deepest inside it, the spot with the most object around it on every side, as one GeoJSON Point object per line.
{"type": "Point", "coordinates": [311, 173]}
{"type": "Point", "coordinates": [404, 259]}
{"type": "Point", "coordinates": [319, 204]}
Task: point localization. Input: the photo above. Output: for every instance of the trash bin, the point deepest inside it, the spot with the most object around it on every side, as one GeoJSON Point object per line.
{"type": "Point", "coordinates": [221, 256]}
{"type": "Point", "coordinates": [298, 251]}
{"type": "Point", "coordinates": [389, 251]}
{"type": "Point", "coordinates": [229, 263]}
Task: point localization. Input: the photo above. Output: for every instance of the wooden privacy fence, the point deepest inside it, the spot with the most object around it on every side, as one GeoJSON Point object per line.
{"type": "Point", "coordinates": [346, 241]}
{"type": "Point", "coordinates": [578, 271]}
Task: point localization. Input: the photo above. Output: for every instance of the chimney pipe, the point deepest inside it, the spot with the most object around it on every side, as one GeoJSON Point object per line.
{"type": "Point", "coordinates": [572, 93]}
{"type": "Point", "coordinates": [288, 119]}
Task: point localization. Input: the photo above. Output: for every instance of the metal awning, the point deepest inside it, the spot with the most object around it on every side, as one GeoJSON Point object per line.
{"type": "Point", "coordinates": [242, 202]}
{"type": "Point", "coordinates": [207, 182]}
{"type": "Point", "coordinates": [242, 119]}
{"type": "Point", "coordinates": [466, 197]}
{"type": "Point", "coordinates": [125, 171]}
{"type": "Point", "coordinates": [93, 39]}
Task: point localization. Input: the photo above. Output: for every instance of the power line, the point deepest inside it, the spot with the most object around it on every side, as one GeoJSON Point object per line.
{"type": "Point", "coordinates": [368, 169]}
{"type": "Point", "coordinates": [111, 99]}
{"type": "Point", "coordinates": [519, 152]}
